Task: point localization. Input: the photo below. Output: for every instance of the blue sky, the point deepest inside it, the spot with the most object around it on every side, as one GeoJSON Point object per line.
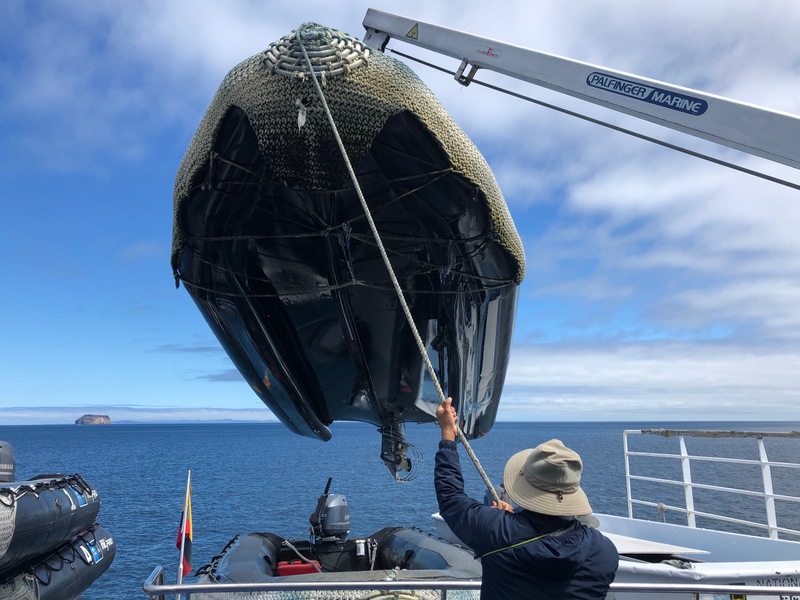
{"type": "Point", "coordinates": [658, 286]}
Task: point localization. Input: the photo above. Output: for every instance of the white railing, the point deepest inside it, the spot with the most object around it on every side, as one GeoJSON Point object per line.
{"type": "Point", "coordinates": [689, 486]}
{"type": "Point", "coordinates": [158, 590]}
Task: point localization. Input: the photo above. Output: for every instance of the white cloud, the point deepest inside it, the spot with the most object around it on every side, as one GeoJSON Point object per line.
{"type": "Point", "coordinates": [674, 381]}
{"type": "Point", "coordinates": [142, 413]}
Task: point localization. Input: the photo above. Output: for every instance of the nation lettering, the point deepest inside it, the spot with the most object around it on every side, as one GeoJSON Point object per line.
{"type": "Point", "coordinates": [778, 582]}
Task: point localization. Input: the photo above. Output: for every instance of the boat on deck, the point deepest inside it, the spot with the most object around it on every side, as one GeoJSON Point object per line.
{"type": "Point", "coordinates": [66, 572]}
{"type": "Point", "coordinates": [398, 554]}
{"type": "Point", "coordinates": [51, 546]}
{"type": "Point", "coordinates": [40, 514]}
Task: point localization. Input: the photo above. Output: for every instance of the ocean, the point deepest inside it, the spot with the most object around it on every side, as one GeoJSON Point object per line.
{"type": "Point", "coordinates": [260, 477]}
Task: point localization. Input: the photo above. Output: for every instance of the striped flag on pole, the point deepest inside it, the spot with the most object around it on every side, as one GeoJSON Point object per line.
{"type": "Point", "coordinates": [184, 541]}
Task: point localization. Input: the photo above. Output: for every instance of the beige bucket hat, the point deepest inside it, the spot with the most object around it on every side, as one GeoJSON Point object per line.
{"type": "Point", "coordinates": [546, 479]}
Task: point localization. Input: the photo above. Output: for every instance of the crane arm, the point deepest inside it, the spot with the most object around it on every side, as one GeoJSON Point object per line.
{"type": "Point", "coordinates": [753, 129]}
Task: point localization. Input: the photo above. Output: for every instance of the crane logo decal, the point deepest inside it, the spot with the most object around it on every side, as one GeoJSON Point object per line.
{"type": "Point", "coordinates": [488, 51]}
{"type": "Point", "coordinates": [648, 93]}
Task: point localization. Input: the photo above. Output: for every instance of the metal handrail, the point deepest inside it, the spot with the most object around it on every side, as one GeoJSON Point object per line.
{"type": "Point", "coordinates": [679, 509]}
{"type": "Point", "coordinates": [157, 590]}
{"type": "Point", "coordinates": [720, 488]}
{"type": "Point", "coordinates": [686, 482]}
{"type": "Point", "coordinates": [742, 461]}
{"type": "Point", "coordinates": [155, 587]}
{"type": "Point", "coordinates": [716, 433]}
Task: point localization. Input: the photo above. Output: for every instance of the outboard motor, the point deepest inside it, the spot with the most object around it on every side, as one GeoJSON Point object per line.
{"type": "Point", "coordinates": [330, 521]}
{"type": "Point", "coordinates": [8, 468]}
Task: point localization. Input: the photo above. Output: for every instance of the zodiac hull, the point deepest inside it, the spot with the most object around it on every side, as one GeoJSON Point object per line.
{"type": "Point", "coordinates": [41, 514]}
{"type": "Point", "coordinates": [273, 244]}
{"type": "Point", "coordinates": [65, 573]}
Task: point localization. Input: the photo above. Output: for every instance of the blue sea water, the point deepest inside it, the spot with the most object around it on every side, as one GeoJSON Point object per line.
{"type": "Point", "coordinates": [260, 477]}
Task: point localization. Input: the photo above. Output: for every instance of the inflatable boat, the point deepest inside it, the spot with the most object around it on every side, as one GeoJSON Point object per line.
{"type": "Point", "coordinates": [41, 514]}
{"type": "Point", "coordinates": [272, 242]}
{"type": "Point", "coordinates": [66, 572]}
{"type": "Point", "coordinates": [50, 545]}
{"type": "Point", "coordinates": [390, 554]}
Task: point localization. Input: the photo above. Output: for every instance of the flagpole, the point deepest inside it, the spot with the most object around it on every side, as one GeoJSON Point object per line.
{"type": "Point", "coordinates": [184, 516]}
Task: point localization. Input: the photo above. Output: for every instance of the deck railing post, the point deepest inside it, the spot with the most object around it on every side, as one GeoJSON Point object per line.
{"type": "Point", "coordinates": [627, 473]}
{"type": "Point", "coordinates": [766, 475]}
{"type": "Point", "coordinates": [687, 484]}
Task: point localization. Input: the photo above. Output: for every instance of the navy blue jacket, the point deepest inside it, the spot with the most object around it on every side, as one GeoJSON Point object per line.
{"type": "Point", "coordinates": [579, 562]}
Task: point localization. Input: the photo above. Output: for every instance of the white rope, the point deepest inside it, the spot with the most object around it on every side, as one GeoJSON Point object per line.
{"type": "Point", "coordinates": [389, 268]}
{"type": "Point", "coordinates": [308, 561]}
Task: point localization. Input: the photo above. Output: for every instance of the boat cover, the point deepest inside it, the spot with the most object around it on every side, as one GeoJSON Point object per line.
{"type": "Point", "coordinates": [271, 241]}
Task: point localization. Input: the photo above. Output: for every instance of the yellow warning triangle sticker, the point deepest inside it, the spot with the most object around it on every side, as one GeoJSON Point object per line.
{"type": "Point", "coordinates": [414, 33]}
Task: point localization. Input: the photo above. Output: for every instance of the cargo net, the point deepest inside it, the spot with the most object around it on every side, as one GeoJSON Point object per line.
{"type": "Point", "coordinates": [17, 589]}
{"type": "Point", "coordinates": [331, 53]}
{"type": "Point", "coordinates": [364, 89]}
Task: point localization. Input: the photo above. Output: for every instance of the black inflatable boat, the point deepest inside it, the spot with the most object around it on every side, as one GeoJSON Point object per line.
{"type": "Point", "coordinates": [39, 515]}
{"type": "Point", "coordinates": [51, 548]}
{"type": "Point", "coordinates": [66, 572]}
{"type": "Point", "coordinates": [390, 554]}
{"type": "Point", "coordinates": [272, 243]}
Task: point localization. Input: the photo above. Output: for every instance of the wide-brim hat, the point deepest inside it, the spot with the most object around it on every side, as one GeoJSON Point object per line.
{"type": "Point", "coordinates": [546, 479]}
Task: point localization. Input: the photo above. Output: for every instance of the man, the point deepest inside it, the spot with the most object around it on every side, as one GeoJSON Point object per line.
{"type": "Point", "coordinates": [541, 550]}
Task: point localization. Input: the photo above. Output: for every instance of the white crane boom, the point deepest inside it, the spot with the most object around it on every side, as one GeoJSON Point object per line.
{"type": "Point", "coordinates": [767, 133]}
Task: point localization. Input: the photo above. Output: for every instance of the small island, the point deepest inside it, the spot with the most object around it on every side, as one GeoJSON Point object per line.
{"type": "Point", "coordinates": [93, 420]}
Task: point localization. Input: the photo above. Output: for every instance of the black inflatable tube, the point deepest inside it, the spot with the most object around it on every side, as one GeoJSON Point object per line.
{"type": "Point", "coordinates": [69, 570]}
{"type": "Point", "coordinates": [48, 511]}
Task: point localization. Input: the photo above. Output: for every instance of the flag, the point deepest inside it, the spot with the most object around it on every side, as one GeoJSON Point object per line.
{"type": "Point", "coordinates": [184, 541]}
